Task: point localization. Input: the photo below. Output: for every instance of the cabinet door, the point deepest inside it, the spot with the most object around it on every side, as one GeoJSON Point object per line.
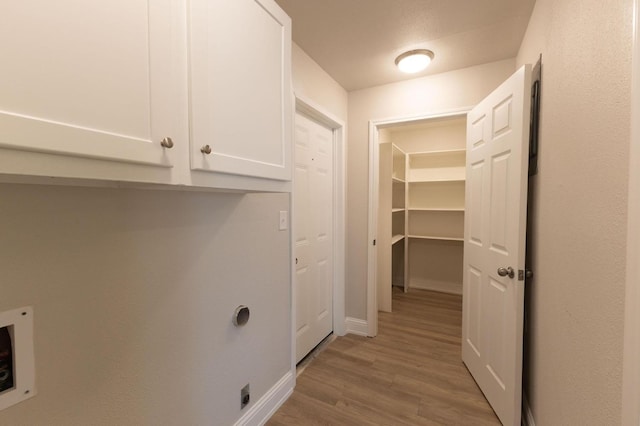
{"type": "Point", "coordinates": [89, 80]}
{"type": "Point", "coordinates": [240, 90]}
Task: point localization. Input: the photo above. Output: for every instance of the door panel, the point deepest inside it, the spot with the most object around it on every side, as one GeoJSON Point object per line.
{"type": "Point", "coordinates": [240, 91]}
{"type": "Point", "coordinates": [495, 230]}
{"type": "Point", "coordinates": [472, 317]}
{"type": "Point", "coordinates": [474, 187]}
{"type": "Point", "coordinates": [302, 233]}
{"type": "Point", "coordinates": [90, 79]}
{"type": "Point", "coordinates": [499, 183]}
{"type": "Point", "coordinates": [313, 230]}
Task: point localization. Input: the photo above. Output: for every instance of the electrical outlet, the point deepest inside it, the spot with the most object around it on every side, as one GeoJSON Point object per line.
{"type": "Point", "coordinates": [245, 396]}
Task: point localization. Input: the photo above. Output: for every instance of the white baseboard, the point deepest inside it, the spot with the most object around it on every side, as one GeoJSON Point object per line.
{"type": "Point", "coordinates": [527, 415]}
{"type": "Point", "coordinates": [441, 286]}
{"type": "Point", "coordinates": [266, 407]}
{"type": "Point", "coordinates": [356, 326]}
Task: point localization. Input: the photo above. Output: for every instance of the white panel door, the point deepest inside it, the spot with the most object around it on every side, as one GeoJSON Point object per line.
{"type": "Point", "coordinates": [90, 79]}
{"type": "Point", "coordinates": [495, 231]}
{"type": "Point", "coordinates": [313, 233]}
{"type": "Point", "coordinates": [240, 94]}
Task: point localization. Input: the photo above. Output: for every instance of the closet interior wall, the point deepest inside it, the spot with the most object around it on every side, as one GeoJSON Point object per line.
{"type": "Point", "coordinates": [384, 264]}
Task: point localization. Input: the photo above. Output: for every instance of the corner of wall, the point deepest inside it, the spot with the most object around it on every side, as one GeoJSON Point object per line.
{"type": "Point", "coordinates": [312, 82]}
{"type": "Point", "coordinates": [356, 326]}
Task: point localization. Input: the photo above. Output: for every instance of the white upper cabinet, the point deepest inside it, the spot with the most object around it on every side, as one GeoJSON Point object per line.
{"type": "Point", "coordinates": [179, 92]}
{"type": "Point", "coordinates": [240, 90]}
{"type": "Point", "coordinates": [88, 80]}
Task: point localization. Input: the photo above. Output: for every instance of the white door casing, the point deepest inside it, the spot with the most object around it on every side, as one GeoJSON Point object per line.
{"type": "Point", "coordinates": [313, 233]}
{"type": "Point", "coordinates": [495, 232]}
{"type": "Point", "coordinates": [631, 352]}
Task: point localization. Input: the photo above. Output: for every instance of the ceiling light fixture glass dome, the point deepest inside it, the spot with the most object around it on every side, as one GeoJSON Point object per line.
{"type": "Point", "coordinates": [414, 61]}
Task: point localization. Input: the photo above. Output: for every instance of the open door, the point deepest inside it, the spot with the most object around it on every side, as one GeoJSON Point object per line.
{"type": "Point", "coordinates": [494, 243]}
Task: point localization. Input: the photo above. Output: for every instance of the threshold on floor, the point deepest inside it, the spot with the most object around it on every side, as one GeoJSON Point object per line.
{"type": "Point", "coordinates": [304, 362]}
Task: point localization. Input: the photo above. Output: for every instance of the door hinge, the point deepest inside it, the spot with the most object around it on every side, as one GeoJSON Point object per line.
{"type": "Point", "coordinates": [527, 273]}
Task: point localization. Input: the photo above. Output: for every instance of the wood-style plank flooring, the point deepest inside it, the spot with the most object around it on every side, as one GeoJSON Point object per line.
{"type": "Point", "coordinates": [410, 374]}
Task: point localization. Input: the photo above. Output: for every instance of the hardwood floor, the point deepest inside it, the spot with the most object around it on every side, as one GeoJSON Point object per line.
{"type": "Point", "coordinates": [410, 374]}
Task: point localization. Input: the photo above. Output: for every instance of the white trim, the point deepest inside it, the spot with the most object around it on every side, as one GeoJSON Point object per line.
{"type": "Point", "coordinates": [392, 121]}
{"type": "Point", "coordinates": [266, 407]}
{"type": "Point", "coordinates": [312, 110]}
{"type": "Point", "coordinates": [374, 126]}
{"type": "Point", "coordinates": [631, 351]}
{"type": "Point", "coordinates": [527, 415]}
{"type": "Point", "coordinates": [292, 268]}
{"type": "Point", "coordinates": [356, 326]}
{"type": "Point", "coordinates": [372, 269]}
{"type": "Point", "coordinates": [292, 244]}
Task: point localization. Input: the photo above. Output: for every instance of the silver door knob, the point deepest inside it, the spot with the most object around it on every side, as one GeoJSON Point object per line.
{"type": "Point", "coordinates": [205, 149]}
{"type": "Point", "coordinates": [166, 143]}
{"type": "Point", "coordinates": [504, 272]}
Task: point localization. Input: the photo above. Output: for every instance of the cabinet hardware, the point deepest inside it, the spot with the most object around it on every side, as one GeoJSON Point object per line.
{"type": "Point", "coordinates": [167, 143]}
{"type": "Point", "coordinates": [206, 149]}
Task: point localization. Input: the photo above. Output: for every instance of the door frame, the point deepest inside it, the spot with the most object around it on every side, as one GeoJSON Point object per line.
{"type": "Point", "coordinates": [374, 188]}
{"type": "Point", "coordinates": [631, 351]}
{"type": "Point", "coordinates": [315, 112]}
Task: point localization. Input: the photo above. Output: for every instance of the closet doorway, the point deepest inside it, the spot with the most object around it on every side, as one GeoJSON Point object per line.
{"type": "Point", "coordinates": [421, 206]}
{"type": "Point", "coordinates": [493, 217]}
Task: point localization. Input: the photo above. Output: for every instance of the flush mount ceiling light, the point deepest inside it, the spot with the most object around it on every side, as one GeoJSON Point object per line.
{"type": "Point", "coordinates": [414, 61]}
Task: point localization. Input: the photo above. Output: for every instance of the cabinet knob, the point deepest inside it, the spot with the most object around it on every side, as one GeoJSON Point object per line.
{"type": "Point", "coordinates": [205, 149]}
{"type": "Point", "coordinates": [166, 142]}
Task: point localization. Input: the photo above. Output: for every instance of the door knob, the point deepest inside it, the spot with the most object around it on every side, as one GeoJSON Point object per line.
{"type": "Point", "coordinates": [205, 149]}
{"type": "Point", "coordinates": [166, 143]}
{"type": "Point", "coordinates": [504, 272]}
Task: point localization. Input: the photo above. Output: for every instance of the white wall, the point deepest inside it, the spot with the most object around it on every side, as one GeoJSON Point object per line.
{"type": "Point", "coordinates": [576, 300]}
{"type": "Point", "coordinates": [134, 292]}
{"type": "Point", "coordinates": [433, 94]}
{"type": "Point", "coordinates": [313, 83]}
{"type": "Point", "coordinates": [449, 134]}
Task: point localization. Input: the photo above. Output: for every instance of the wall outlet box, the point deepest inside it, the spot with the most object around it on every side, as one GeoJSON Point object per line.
{"type": "Point", "coordinates": [284, 220]}
{"type": "Point", "coordinates": [17, 362]}
{"type": "Point", "coordinates": [245, 396]}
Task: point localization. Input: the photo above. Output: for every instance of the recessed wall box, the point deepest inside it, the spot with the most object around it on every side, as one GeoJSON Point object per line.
{"type": "Point", "coordinates": [6, 360]}
{"type": "Point", "coordinates": [241, 316]}
{"type": "Point", "coordinates": [17, 366]}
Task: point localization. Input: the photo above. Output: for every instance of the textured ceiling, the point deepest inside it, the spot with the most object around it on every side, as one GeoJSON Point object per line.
{"type": "Point", "coordinates": [357, 41]}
